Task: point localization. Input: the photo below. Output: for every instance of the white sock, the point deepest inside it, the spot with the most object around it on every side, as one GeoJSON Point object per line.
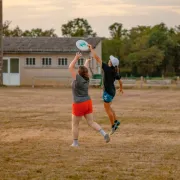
{"type": "Point", "coordinates": [75, 142]}
{"type": "Point", "coordinates": [103, 133]}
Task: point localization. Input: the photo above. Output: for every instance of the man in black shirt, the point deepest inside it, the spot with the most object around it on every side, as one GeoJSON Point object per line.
{"type": "Point", "coordinates": [111, 73]}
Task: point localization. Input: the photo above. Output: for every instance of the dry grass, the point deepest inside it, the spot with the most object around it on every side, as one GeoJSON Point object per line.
{"type": "Point", "coordinates": [35, 137]}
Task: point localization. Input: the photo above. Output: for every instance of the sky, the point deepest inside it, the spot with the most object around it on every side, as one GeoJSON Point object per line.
{"type": "Point", "coordinates": [100, 14]}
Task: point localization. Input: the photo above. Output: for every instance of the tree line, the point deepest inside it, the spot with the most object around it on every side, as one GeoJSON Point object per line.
{"type": "Point", "coordinates": [142, 50]}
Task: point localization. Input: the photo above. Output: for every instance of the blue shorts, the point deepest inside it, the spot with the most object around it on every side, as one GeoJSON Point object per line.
{"type": "Point", "coordinates": [107, 97]}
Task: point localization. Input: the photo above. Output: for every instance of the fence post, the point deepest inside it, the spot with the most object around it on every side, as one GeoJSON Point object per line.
{"type": "Point", "coordinates": [141, 81]}
{"type": "Point", "coordinates": [33, 79]}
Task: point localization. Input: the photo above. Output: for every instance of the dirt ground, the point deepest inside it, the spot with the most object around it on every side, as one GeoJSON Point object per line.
{"type": "Point", "coordinates": [35, 136]}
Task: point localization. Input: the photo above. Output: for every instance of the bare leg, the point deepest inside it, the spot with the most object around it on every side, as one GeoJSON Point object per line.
{"type": "Point", "coordinates": [112, 117]}
{"type": "Point", "coordinates": [110, 112]}
{"type": "Point", "coordinates": [115, 118]}
{"type": "Point", "coordinates": [97, 127]}
{"type": "Point", "coordinates": [94, 125]}
{"type": "Point", "coordinates": [75, 128]}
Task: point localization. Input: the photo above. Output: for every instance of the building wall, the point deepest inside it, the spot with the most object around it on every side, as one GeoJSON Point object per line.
{"type": "Point", "coordinates": [50, 74]}
{"type": "Point", "coordinates": [28, 73]}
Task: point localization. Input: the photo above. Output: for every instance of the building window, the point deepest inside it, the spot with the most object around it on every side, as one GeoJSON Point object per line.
{"type": "Point", "coordinates": [30, 61]}
{"type": "Point", "coordinates": [81, 62]}
{"type": "Point", "coordinates": [46, 61]}
{"type": "Point", "coordinates": [62, 62]}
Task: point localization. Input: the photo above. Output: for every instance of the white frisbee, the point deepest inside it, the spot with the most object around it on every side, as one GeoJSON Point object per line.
{"type": "Point", "coordinates": [82, 45]}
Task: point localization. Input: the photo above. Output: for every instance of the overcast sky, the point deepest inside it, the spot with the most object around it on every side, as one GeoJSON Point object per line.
{"type": "Point", "coordinates": [100, 14]}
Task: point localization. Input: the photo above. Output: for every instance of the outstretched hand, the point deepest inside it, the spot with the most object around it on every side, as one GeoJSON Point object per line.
{"type": "Point", "coordinates": [78, 55]}
{"type": "Point", "coordinates": [121, 91]}
{"type": "Point", "coordinates": [90, 46]}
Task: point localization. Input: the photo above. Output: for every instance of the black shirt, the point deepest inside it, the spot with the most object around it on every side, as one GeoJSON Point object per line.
{"type": "Point", "coordinates": [109, 77]}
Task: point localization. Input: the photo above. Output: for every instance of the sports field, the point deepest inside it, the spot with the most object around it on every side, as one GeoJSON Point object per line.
{"type": "Point", "coordinates": [35, 137]}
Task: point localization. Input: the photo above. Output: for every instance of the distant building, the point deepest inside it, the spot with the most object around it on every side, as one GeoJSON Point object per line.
{"type": "Point", "coordinates": [27, 57]}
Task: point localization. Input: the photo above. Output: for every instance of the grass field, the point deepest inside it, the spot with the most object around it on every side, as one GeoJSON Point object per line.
{"type": "Point", "coordinates": [35, 137]}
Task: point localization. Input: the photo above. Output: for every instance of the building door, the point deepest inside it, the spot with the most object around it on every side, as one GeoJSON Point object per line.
{"type": "Point", "coordinates": [11, 74]}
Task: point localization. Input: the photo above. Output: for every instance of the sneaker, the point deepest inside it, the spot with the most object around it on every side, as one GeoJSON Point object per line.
{"type": "Point", "coordinates": [74, 145]}
{"type": "Point", "coordinates": [107, 138]}
{"type": "Point", "coordinates": [117, 122]}
{"type": "Point", "coordinates": [115, 126]}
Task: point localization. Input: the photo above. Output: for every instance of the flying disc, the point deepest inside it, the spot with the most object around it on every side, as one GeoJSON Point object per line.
{"type": "Point", "coordinates": [82, 45]}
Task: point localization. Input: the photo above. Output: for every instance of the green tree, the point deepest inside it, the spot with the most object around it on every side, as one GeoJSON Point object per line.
{"type": "Point", "coordinates": [154, 50]}
{"type": "Point", "coordinates": [39, 33]}
{"type": "Point", "coordinates": [164, 38]}
{"type": "Point", "coordinates": [111, 47]}
{"type": "Point", "coordinates": [6, 28]}
{"type": "Point", "coordinates": [146, 61]}
{"type": "Point", "coordinates": [78, 27]}
{"type": "Point", "coordinates": [176, 51]}
{"type": "Point", "coordinates": [16, 32]}
{"type": "Point", "coordinates": [116, 30]}
{"type": "Point", "coordinates": [139, 31]}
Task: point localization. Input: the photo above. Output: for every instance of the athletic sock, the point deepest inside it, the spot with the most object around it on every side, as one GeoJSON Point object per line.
{"type": "Point", "coordinates": [102, 132]}
{"type": "Point", "coordinates": [75, 142]}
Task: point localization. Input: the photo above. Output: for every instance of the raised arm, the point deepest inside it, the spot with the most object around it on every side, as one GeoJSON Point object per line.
{"type": "Point", "coordinates": [98, 59]}
{"type": "Point", "coordinates": [72, 65]}
{"type": "Point", "coordinates": [86, 64]}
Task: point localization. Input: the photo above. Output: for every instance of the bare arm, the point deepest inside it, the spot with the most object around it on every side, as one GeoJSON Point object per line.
{"type": "Point", "coordinates": [98, 59]}
{"type": "Point", "coordinates": [120, 85]}
{"type": "Point", "coordinates": [72, 65]}
{"type": "Point", "coordinates": [86, 64]}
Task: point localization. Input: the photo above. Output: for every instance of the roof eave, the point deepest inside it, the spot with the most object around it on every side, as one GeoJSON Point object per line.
{"type": "Point", "coordinates": [43, 52]}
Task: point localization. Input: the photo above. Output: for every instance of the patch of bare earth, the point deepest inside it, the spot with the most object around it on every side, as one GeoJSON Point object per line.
{"type": "Point", "coordinates": [35, 137]}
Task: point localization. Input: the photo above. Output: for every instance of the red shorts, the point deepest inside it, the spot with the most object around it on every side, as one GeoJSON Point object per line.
{"type": "Point", "coordinates": [83, 108]}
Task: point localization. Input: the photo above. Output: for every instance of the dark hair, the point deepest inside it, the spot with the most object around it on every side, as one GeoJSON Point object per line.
{"type": "Point", "coordinates": [115, 70]}
{"type": "Point", "coordinates": [83, 71]}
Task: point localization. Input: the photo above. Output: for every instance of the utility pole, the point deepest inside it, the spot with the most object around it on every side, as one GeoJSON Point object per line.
{"type": "Point", "coordinates": [1, 42]}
